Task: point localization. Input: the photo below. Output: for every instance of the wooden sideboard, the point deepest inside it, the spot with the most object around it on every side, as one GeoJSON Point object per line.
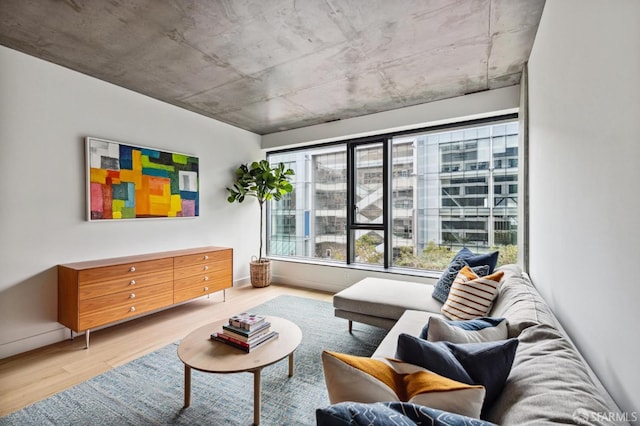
{"type": "Point", "coordinates": [100, 292]}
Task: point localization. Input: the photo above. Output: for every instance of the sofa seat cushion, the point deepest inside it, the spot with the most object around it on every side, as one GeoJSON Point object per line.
{"type": "Point", "coordinates": [410, 322]}
{"type": "Point", "coordinates": [519, 302]}
{"type": "Point", "coordinates": [390, 413]}
{"type": "Point", "coordinates": [548, 383]}
{"type": "Point", "coordinates": [385, 298]}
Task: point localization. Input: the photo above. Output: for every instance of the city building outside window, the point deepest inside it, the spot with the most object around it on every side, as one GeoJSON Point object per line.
{"type": "Point", "coordinates": [447, 189]}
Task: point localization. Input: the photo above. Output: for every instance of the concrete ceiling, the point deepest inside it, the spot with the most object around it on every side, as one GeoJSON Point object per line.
{"type": "Point", "coordinates": [273, 65]}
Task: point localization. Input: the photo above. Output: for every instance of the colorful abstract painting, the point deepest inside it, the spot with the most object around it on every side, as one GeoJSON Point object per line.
{"type": "Point", "coordinates": [129, 182]}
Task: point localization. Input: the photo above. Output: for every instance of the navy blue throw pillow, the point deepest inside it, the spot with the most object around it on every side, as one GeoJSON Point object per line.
{"type": "Point", "coordinates": [463, 258]}
{"type": "Point", "coordinates": [390, 414]}
{"type": "Point", "coordinates": [487, 364]}
{"type": "Point", "coordinates": [490, 259]}
{"type": "Point", "coordinates": [477, 324]}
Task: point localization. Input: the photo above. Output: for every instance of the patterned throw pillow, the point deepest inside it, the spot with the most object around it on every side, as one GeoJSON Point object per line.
{"type": "Point", "coordinates": [443, 286]}
{"type": "Point", "coordinates": [471, 296]}
{"type": "Point", "coordinates": [487, 363]}
{"type": "Point", "coordinates": [390, 413]}
{"type": "Point", "coordinates": [363, 379]}
{"type": "Point", "coordinates": [485, 329]}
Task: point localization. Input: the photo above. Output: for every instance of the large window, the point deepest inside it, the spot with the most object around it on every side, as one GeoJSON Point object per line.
{"type": "Point", "coordinates": [403, 201]}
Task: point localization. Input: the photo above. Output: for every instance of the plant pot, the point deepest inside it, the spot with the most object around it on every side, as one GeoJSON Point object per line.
{"type": "Point", "coordinates": [260, 273]}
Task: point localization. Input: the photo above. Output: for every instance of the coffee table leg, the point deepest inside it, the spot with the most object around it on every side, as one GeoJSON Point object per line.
{"type": "Point", "coordinates": [256, 396]}
{"type": "Point", "coordinates": [291, 364]}
{"type": "Point", "coordinates": [187, 385]}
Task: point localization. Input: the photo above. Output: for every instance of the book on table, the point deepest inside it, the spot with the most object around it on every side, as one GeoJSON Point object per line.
{"type": "Point", "coordinates": [247, 321]}
{"type": "Point", "coordinates": [244, 336]}
{"type": "Point", "coordinates": [245, 346]}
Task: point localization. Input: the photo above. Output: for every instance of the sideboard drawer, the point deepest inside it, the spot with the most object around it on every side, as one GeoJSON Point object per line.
{"type": "Point", "coordinates": [185, 291]}
{"type": "Point", "coordinates": [96, 289]}
{"type": "Point", "coordinates": [208, 267]}
{"type": "Point", "coordinates": [122, 311]}
{"type": "Point", "coordinates": [195, 280]}
{"type": "Point", "coordinates": [202, 258]}
{"type": "Point", "coordinates": [129, 298]}
{"type": "Point", "coordinates": [132, 270]}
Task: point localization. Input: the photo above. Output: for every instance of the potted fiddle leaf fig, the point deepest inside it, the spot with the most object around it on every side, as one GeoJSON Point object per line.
{"type": "Point", "coordinates": [262, 182]}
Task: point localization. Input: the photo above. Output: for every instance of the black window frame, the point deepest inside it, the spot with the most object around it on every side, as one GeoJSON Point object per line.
{"type": "Point", "coordinates": [387, 142]}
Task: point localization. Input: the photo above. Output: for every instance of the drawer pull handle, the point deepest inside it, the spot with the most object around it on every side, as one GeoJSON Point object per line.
{"type": "Point", "coordinates": [206, 278]}
{"type": "Point", "coordinates": [133, 309]}
{"type": "Point", "coordinates": [206, 268]}
{"type": "Point", "coordinates": [206, 257]}
{"type": "Point", "coordinates": [206, 289]}
{"type": "Point", "coordinates": [132, 282]}
{"type": "Point", "coordinates": [132, 269]}
{"type": "Point", "coordinates": [132, 296]}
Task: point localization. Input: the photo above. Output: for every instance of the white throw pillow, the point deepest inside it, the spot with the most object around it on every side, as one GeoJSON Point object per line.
{"type": "Point", "coordinates": [484, 329]}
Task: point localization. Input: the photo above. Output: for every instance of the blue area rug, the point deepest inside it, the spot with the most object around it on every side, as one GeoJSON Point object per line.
{"type": "Point", "coordinates": [149, 390]}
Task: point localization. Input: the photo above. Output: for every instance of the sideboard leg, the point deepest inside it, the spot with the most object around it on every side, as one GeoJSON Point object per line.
{"type": "Point", "coordinates": [70, 334]}
{"type": "Point", "coordinates": [86, 339]}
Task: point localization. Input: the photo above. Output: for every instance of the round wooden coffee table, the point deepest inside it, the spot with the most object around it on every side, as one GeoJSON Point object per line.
{"type": "Point", "coordinates": [199, 352]}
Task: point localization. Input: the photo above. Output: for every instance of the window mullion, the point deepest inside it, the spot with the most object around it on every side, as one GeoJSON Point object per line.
{"type": "Point", "coordinates": [351, 203]}
{"type": "Point", "coordinates": [387, 220]}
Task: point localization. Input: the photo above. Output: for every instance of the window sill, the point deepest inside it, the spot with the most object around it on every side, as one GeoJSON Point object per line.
{"type": "Point", "coordinates": [361, 267]}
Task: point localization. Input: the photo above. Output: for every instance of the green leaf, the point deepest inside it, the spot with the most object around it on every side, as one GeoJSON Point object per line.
{"type": "Point", "coordinates": [261, 181]}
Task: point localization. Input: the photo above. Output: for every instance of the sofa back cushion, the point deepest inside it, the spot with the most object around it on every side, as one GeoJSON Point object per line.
{"type": "Point", "coordinates": [519, 302]}
{"type": "Point", "coordinates": [548, 383]}
{"type": "Point", "coordinates": [411, 322]}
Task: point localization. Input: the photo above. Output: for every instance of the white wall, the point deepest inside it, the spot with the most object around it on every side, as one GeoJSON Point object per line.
{"type": "Point", "coordinates": [584, 110]}
{"type": "Point", "coordinates": [45, 112]}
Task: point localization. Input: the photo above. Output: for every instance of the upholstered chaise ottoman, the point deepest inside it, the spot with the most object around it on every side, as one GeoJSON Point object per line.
{"type": "Point", "coordinates": [381, 302]}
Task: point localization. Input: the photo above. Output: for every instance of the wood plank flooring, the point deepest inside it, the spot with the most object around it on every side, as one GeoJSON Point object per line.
{"type": "Point", "coordinates": [38, 374]}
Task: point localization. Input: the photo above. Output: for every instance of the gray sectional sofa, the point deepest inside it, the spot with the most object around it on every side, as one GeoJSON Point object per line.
{"type": "Point", "coordinates": [549, 382]}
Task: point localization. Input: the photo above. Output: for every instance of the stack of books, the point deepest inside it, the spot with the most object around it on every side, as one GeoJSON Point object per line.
{"type": "Point", "coordinates": [246, 332]}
